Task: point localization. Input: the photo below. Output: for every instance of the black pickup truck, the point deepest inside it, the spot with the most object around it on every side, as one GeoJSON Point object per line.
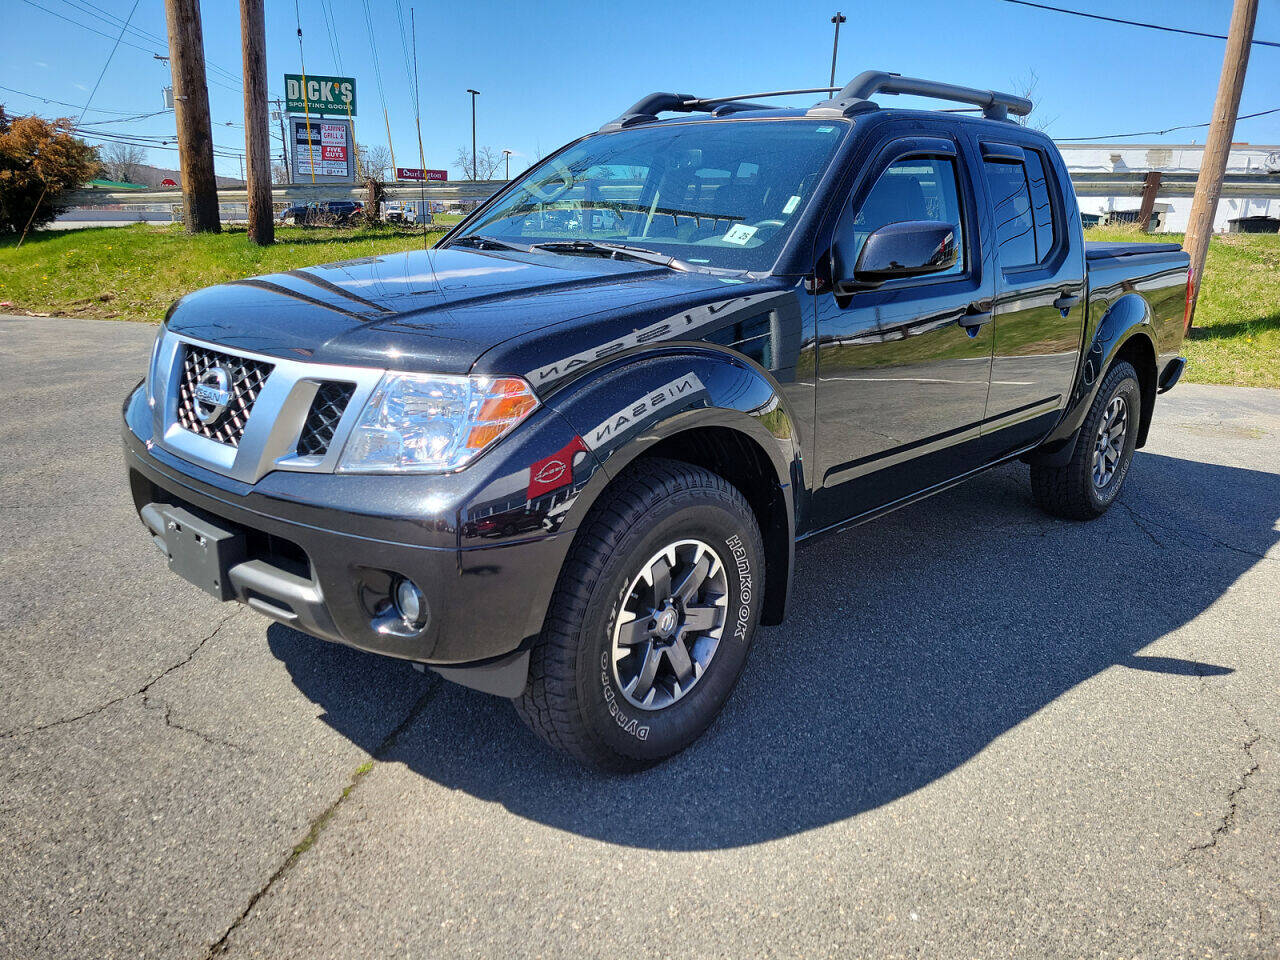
{"type": "Point", "coordinates": [565, 456]}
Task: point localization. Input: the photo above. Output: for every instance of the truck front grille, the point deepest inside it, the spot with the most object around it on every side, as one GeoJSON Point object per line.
{"type": "Point", "coordinates": [244, 379]}
{"type": "Point", "coordinates": [326, 410]}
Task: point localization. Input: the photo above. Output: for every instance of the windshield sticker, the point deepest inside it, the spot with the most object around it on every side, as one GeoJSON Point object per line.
{"type": "Point", "coordinates": [826, 129]}
{"type": "Point", "coordinates": [791, 205]}
{"type": "Point", "coordinates": [740, 234]}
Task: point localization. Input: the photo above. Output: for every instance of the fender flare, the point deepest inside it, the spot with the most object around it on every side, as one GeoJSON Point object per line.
{"type": "Point", "coordinates": [624, 409]}
{"type": "Point", "coordinates": [1128, 317]}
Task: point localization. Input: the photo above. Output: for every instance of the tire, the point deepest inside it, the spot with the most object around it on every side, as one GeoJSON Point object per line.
{"type": "Point", "coordinates": [1080, 489]}
{"type": "Point", "coordinates": [593, 691]}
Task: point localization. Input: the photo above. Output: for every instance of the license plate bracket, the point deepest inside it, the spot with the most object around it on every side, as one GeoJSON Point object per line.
{"type": "Point", "coordinates": [201, 552]}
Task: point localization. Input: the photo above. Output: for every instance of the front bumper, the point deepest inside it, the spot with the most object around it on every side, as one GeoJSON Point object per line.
{"type": "Point", "coordinates": [321, 552]}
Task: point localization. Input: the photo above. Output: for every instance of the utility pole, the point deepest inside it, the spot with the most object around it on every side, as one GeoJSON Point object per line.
{"type": "Point", "coordinates": [507, 156]}
{"type": "Point", "coordinates": [1244, 13]}
{"type": "Point", "coordinates": [257, 134]}
{"type": "Point", "coordinates": [284, 142]}
{"type": "Point", "coordinates": [1150, 189]}
{"type": "Point", "coordinates": [474, 94]}
{"type": "Point", "coordinates": [838, 19]}
{"type": "Point", "coordinates": [191, 114]}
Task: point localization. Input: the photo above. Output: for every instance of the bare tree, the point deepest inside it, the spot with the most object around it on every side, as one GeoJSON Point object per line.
{"type": "Point", "coordinates": [122, 161]}
{"type": "Point", "coordinates": [279, 172]}
{"type": "Point", "coordinates": [375, 161]}
{"type": "Point", "coordinates": [488, 162]}
{"type": "Point", "coordinates": [1025, 85]}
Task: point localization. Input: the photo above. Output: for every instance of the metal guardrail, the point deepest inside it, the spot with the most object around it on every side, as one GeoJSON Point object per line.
{"type": "Point", "coordinates": [1254, 185]}
{"type": "Point", "coordinates": [461, 190]}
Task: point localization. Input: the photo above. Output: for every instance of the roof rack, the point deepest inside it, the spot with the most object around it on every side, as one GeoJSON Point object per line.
{"type": "Point", "coordinates": [851, 99]}
{"type": "Point", "coordinates": [995, 105]}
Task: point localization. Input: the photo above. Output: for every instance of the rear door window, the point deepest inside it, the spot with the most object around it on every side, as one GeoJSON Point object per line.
{"type": "Point", "coordinates": [1041, 205]}
{"type": "Point", "coordinates": [1011, 203]}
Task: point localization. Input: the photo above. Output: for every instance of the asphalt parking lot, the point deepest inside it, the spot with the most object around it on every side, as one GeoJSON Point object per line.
{"type": "Point", "coordinates": [983, 733]}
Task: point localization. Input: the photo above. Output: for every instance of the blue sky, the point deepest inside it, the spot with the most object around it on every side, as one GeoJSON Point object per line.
{"type": "Point", "coordinates": [549, 72]}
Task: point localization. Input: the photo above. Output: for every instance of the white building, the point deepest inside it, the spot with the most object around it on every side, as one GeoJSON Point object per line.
{"type": "Point", "coordinates": [1173, 211]}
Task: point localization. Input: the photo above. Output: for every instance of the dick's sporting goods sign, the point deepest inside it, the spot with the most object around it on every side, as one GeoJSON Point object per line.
{"type": "Point", "coordinates": [319, 94]}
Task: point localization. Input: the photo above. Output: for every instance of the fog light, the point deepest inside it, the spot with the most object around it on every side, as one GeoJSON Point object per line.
{"type": "Point", "coordinates": [410, 603]}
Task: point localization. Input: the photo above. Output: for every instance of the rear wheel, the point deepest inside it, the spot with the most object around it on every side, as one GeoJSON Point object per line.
{"type": "Point", "coordinates": [651, 621]}
{"type": "Point", "coordinates": [1086, 485]}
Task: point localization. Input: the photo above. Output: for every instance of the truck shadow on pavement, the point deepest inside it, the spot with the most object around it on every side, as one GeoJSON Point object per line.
{"type": "Point", "coordinates": [913, 643]}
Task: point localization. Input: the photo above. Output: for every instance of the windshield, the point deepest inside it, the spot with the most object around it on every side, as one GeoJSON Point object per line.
{"type": "Point", "coordinates": [721, 195]}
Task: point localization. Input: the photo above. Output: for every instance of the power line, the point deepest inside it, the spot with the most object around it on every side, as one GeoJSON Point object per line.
{"type": "Point", "coordinates": [133, 119]}
{"type": "Point", "coordinates": [119, 40]}
{"type": "Point", "coordinates": [377, 74]}
{"type": "Point", "coordinates": [1134, 23]}
{"type": "Point", "coordinates": [326, 9]}
{"type": "Point", "coordinates": [237, 88]}
{"type": "Point", "coordinates": [150, 142]}
{"type": "Point", "coordinates": [106, 16]}
{"type": "Point", "coordinates": [125, 116]}
{"type": "Point", "coordinates": [404, 46]}
{"type": "Point", "coordinates": [63, 103]}
{"type": "Point", "coordinates": [1158, 133]}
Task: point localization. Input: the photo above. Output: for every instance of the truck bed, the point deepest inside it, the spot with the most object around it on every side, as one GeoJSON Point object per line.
{"type": "Point", "coordinates": [1107, 249]}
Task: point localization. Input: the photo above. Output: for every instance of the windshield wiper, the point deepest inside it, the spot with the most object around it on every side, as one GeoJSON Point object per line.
{"type": "Point", "coordinates": [489, 243]}
{"type": "Point", "coordinates": [614, 251]}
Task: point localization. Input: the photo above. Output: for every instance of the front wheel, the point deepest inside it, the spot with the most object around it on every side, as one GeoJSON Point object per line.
{"type": "Point", "coordinates": [1086, 485]}
{"type": "Point", "coordinates": [651, 621]}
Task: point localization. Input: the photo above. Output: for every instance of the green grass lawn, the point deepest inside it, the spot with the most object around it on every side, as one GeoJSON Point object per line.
{"type": "Point", "coordinates": [135, 272]}
{"type": "Point", "coordinates": [1236, 338]}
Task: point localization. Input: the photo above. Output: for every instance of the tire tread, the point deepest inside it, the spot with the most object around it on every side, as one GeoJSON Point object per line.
{"type": "Point", "coordinates": [1063, 491]}
{"type": "Point", "coordinates": [549, 703]}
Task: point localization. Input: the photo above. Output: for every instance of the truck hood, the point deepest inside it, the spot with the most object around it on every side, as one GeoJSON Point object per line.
{"type": "Point", "coordinates": [426, 310]}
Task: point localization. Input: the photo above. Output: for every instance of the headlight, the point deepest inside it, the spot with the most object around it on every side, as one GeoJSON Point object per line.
{"type": "Point", "coordinates": [415, 423]}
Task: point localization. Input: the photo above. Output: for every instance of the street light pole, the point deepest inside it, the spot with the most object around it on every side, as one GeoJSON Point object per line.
{"type": "Point", "coordinates": [507, 156]}
{"type": "Point", "coordinates": [838, 19]}
{"type": "Point", "coordinates": [474, 94]}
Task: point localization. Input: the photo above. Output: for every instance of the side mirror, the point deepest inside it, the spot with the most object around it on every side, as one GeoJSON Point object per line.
{"type": "Point", "coordinates": [910, 248]}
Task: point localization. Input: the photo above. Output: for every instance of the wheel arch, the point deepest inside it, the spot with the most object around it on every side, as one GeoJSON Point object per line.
{"type": "Point", "coordinates": [1139, 350]}
{"type": "Point", "coordinates": [737, 424]}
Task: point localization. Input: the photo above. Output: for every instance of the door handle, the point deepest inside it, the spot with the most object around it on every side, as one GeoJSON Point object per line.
{"type": "Point", "coordinates": [1066, 302]}
{"type": "Point", "coordinates": [974, 317]}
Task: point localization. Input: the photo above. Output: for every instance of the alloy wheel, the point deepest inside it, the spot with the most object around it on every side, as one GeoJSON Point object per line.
{"type": "Point", "coordinates": [670, 625]}
{"type": "Point", "coordinates": [1108, 446]}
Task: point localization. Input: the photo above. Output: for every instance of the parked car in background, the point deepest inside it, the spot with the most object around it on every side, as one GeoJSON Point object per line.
{"type": "Point", "coordinates": [324, 213]}
{"type": "Point", "coordinates": [407, 211]}
{"type": "Point", "coordinates": [567, 455]}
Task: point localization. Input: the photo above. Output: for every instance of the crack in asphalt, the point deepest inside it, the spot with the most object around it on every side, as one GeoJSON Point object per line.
{"type": "Point", "coordinates": [1138, 521]}
{"type": "Point", "coordinates": [170, 722]}
{"type": "Point", "coordinates": [141, 691]}
{"type": "Point", "coordinates": [1227, 822]}
{"type": "Point", "coordinates": [1145, 523]}
{"type": "Point", "coordinates": [317, 825]}
{"type": "Point", "coordinates": [1233, 797]}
